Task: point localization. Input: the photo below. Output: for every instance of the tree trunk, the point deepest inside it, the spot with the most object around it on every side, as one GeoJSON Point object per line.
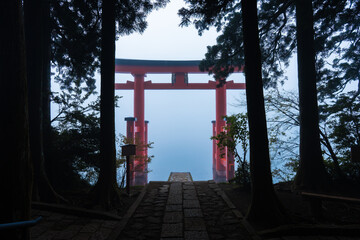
{"type": "Point", "coordinates": [42, 190]}
{"type": "Point", "coordinates": [46, 89]}
{"type": "Point", "coordinates": [265, 209]}
{"type": "Point", "coordinates": [15, 165]}
{"type": "Point", "coordinates": [311, 174]}
{"type": "Point", "coordinates": [106, 188]}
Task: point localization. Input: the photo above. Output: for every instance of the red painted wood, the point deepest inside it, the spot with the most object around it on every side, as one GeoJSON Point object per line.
{"type": "Point", "coordinates": [214, 149]}
{"type": "Point", "coordinates": [139, 114]}
{"type": "Point", "coordinates": [130, 135]}
{"type": "Point", "coordinates": [221, 154]}
{"type": "Point", "coordinates": [148, 85]}
{"type": "Point", "coordinates": [159, 66]}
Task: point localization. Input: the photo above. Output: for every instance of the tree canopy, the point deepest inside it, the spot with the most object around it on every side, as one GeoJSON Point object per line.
{"type": "Point", "coordinates": [76, 36]}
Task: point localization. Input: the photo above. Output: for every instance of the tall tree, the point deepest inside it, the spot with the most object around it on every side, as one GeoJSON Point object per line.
{"type": "Point", "coordinates": [265, 208]}
{"type": "Point", "coordinates": [46, 85]}
{"type": "Point", "coordinates": [311, 174]}
{"type": "Point", "coordinates": [128, 21]}
{"type": "Point", "coordinates": [106, 185]}
{"type": "Point", "coordinates": [33, 12]}
{"type": "Point", "coordinates": [15, 165]}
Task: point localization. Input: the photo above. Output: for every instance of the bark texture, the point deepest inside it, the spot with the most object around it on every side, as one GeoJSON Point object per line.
{"type": "Point", "coordinates": [311, 174]}
{"type": "Point", "coordinates": [15, 165]}
{"type": "Point", "coordinates": [106, 188]}
{"type": "Point", "coordinates": [33, 14]}
{"type": "Point", "coordinates": [265, 209]}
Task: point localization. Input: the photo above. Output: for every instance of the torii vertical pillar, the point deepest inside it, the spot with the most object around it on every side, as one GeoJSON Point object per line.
{"type": "Point", "coordinates": [146, 150]}
{"type": "Point", "coordinates": [140, 177]}
{"type": "Point", "coordinates": [214, 149]}
{"type": "Point", "coordinates": [130, 135]}
{"type": "Point", "coordinates": [221, 155]}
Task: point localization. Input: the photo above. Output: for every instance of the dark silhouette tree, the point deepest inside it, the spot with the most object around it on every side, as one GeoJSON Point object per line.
{"type": "Point", "coordinates": [265, 208]}
{"type": "Point", "coordinates": [105, 190]}
{"type": "Point", "coordinates": [15, 164]}
{"type": "Point", "coordinates": [46, 86]}
{"type": "Point", "coordinates": [106, 186]}
{"type": "Point", "coordinates": [33, 13]}
{"type": "Point", "coordinates": [311, 174]}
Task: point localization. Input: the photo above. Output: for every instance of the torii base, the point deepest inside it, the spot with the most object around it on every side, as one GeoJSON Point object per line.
{"type": "Point", "coordinates": [140, 178]}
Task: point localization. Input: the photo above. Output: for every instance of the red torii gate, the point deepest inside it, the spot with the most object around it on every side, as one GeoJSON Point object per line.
{"type": "Point", "coordinates": [223, 167]}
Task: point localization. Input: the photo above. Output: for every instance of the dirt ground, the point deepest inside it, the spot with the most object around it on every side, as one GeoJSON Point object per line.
{"type": "Point", "coordinates": [334, 213]}
{"type": "Point", "coordinates": [83, 201]}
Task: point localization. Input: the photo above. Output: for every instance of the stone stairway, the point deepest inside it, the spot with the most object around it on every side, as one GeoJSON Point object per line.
{"type": "Point", "coordinates": [183, 217]}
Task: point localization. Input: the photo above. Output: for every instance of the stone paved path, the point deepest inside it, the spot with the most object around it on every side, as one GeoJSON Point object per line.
{"type": "Point", "coordinates": [176, 209]}
{"type": "Point", "coordinates": [146, 222]}
{"type": "Point", "coordinates": [183, 217]}
{"type": "Point", "coordinates": [180, 177]}
{"type": "Point", "coordinates": [183, 209]}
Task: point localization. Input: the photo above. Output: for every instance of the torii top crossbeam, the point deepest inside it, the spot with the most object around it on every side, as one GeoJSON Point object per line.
{"type": "Point", "coordinates": [178, 69]}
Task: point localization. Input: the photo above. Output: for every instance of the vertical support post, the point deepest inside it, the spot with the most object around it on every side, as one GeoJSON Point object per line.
{"type": "Point", "coordinates": [230, 169]}
{"type": "Point", "coordinates": [130, 129]}
{"type": "Point", "coordinates": [128, 175]}
{"type": "Point", "coordinates": [214, 149]}
{"type": "Point", "coordinates": [146, 150]}
{"type": "Point", "coordinates": [139, 113]}
{"type": "Point", "coordinates": [221, 155]}
{"type": "Point", "coordinates": [130, 135]}
{"type": "Point", "coordinates": [128, 150]}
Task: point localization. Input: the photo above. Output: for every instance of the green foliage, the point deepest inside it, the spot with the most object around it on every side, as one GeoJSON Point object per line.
{"type": "Point", "coordinates": [236, 133]}
{"type": "Point", "coordinates": [131, 14]}
{"type": "Point", "coordinates": [140, 147]}
{"type": "Point", "coordinates": [336, 39]}
{"type": "Point", "coordinates": [342, 118]}
{"type": "Point", "coordinates": [282, 111]}
{"type": "Point", "coordinates": [75, 42]}
{"type": "Point", "coordinates": [277, 36]}
{"type": "Point", "coordinates": [76, 140]}
{"type": "Point", "coordinates": [287, 171]}
{"type": "Point", "coordinates": [122, 161]}
{"type": "Point", "coordinates": [337, 35]}
{"type": "Point", "coordinates": [76, 36]}
{"type": "Point", "coordinates": [338, 131]}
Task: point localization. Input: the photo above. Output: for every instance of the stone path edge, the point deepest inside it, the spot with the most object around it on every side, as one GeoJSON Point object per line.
{"type": "Point", "coordinates": [237, 213]}
{"type": "Point", "coordinates": [118, 229]}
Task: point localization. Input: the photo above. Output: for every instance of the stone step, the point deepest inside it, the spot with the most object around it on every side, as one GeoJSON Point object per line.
{"type": "Point", "coordinates": [180, 177]}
